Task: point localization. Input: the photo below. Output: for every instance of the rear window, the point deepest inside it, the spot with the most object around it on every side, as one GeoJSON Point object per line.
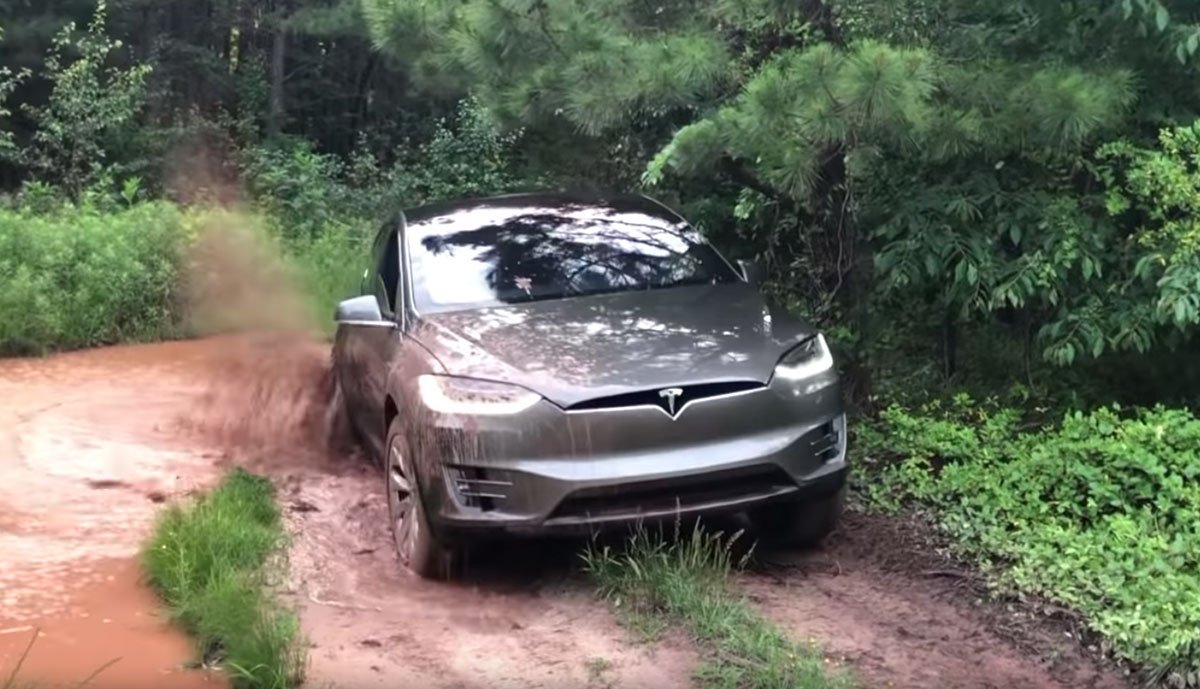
{"type": "Point", "coordinates": [488, 255]}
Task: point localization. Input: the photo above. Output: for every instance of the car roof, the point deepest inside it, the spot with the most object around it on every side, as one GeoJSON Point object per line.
{"type": "Point", "coordinates": [550, 200]}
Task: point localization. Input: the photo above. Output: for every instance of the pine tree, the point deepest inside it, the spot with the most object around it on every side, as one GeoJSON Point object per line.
{"type": "Point", "coordinates": [954, 165]}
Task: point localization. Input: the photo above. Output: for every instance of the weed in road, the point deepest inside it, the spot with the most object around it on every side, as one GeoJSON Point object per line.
{"type": "Point", "coordinates": [597, 668]}
{"type": "Point", "coordinates": [210, 561]}
{"type": "Point", "coordinates": [659, 580]}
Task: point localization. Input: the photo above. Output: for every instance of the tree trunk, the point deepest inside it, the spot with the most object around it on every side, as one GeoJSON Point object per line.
{"type": "Point", "coordinates": [949, 345]}
{"type": "Point", "coordinates": [358, 118]}
{"type": "Point", "coordinates": [278, 62]}
{"type": "Point", "coordinates": [830, 202]}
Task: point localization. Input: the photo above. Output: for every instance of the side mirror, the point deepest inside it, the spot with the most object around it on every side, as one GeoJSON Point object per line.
{"type": "Point", "coordinates": [752, 271]}
{"type": "Point", "coordinates": [362, 310]}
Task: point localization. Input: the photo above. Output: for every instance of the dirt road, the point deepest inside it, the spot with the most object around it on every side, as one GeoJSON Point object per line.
{"type": "Point", "coordinates": [92, 443]}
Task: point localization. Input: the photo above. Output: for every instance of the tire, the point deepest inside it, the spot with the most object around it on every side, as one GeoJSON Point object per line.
{"type": "Point", "coordinates": [340, 434]}
{"type": "Point", "coordinates": [800, 524]}
{"type": "Point", "coordinates": [417, 547]}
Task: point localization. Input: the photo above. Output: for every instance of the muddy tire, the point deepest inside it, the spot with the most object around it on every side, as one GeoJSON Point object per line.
{"type": "Point", "coordinates": [340, 435]}
{"type": "Point", "coordinates": [800, 524]}
{"type": "Point", "coordinates": [417, 547]}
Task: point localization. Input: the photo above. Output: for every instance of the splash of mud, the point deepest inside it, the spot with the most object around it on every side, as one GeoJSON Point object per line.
{"type": "Point", "coordinates": [268, 393]}
{"type": "Point", "coordinates": [237, 279]}
{"type": "Point", "coordinates": [268, 401]}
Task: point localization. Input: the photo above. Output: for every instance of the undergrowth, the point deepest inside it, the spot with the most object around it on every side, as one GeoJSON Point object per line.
{"type": "Point", "coordinates": [656, 581]}
{"type": "Point", "coordinates": [212, 562]}
{"type": "Point", "coordinates": [82, 277]}
{"type": "Point", "coordinates": [1100, 512]}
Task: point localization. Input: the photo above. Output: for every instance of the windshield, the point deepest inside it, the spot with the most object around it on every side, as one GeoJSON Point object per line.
{"type": "Point", "coordinates": [488, 255]}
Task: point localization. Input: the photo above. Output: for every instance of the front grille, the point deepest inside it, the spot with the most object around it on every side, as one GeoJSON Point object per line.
{"type": "Point", "coordinates": [655, 398]}
{"type": "Point", "coordinates": [664, 496]}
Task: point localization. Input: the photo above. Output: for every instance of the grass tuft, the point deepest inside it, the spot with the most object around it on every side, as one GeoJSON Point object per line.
{"type": "Point", "coordinates": [210, 561]}
{"type": "Point", "coordinates": [657, 581]}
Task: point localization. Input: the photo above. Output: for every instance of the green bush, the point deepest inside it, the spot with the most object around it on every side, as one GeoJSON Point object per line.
{"type": "Point", "coordinates": [1100, 512]}
{"type": "Point", "coordinates": [329, 268]}
{"type": "Point", "coordinates": [209, 561]}
{"type": "Point", "coordinates": [74, 277]}
{"type": "Point", "coordinates": [80, 277]}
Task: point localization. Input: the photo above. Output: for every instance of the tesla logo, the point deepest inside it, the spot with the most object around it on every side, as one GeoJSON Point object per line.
{"type": "Point", "coordinates": [671, 395]}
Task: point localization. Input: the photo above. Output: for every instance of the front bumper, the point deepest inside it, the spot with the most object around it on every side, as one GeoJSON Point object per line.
{"type": "Point", "coordinates": [555, 472]}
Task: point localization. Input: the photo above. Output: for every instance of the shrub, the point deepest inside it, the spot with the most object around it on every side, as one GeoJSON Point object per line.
{"type": "Point", "coordinates": [78, 277]}
{"type": "Point", "coordinates": [209, 561]}
{"type": "Point", "coordinates": [329, 269]}
{"type": "Point", "coordinates": [1100, 512]}
{"type": "Point", "coordinates": [683, 580]}
{"type": "Point", "coordinates": [91, 103]}
{"type": "Point", "coordinates": [298, 186]}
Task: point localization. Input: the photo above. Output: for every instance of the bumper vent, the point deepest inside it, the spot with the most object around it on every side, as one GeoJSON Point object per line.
{"type": "Point", "coordinates": [827, 441]}
{"type": "Point", "coordinates": [477, 487]}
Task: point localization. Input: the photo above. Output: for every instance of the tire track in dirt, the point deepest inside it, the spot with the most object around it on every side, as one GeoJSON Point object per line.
{"type": "Point", "coordinates": [878, 596]}
{"type": "Point", "coordinates": [519, 620]}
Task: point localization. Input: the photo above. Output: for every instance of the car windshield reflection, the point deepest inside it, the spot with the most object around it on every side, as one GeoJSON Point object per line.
{"type": "Point", "coordinates": [493, 255]}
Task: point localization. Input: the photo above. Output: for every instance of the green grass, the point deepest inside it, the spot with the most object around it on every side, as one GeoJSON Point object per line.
{"type": "Point", "coordinates": [211, 562]}
{"type": "Point", "coordinates": [656, 582]}
{"type": "Point", "coordinates": [1096, 512]}
{"type": "Point", "coordinates": [83, 277]}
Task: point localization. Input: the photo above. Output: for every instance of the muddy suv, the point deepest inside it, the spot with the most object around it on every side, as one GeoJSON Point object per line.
{"type": "Point", "coordinates": [533, 364]}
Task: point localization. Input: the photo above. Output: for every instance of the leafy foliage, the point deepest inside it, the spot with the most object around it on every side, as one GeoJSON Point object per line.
{"type": "Point", "coordinates": [1098, 512]}
{"type": "Point", "coordinates": [308, 191]}
{"type": "Point", "coordinates": [860, 148]}
{"type": "Point", "coordinates": [88, 104]}
{"type": "Point", "coordinates": [9, 80]}
{"type": "Point", "coordinates": [82, 277]}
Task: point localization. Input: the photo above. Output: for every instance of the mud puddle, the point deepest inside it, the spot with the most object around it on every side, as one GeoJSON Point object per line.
{"type": "Point", "coordinates": [111, 634]}
{"type": "Point", "coordinates": [88, 453]}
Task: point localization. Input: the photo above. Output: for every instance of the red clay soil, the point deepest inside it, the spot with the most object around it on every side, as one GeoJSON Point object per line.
{"type": "Point", "coordinates": [92, 443]}
{"type": "Point", "coordinates": [86, 455]}
{"type": "Point", "coordinates": [879, 596]}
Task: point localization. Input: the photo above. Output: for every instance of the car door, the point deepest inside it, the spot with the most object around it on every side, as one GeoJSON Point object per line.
{"type": "Point", "coordinates": [362, 349]}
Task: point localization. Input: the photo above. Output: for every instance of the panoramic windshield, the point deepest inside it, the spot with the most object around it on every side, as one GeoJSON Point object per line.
{"type": "Point", "coordinates": [506, 254]}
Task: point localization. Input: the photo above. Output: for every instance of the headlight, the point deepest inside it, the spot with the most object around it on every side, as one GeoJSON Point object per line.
{"type": "Point", "coordinates": [452, 395]}
{"type": "Point", "coordinates": [806, 360]}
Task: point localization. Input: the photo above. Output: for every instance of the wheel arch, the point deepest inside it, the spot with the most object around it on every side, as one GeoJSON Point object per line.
{"type": "Point", "coordinates": [390, 411]}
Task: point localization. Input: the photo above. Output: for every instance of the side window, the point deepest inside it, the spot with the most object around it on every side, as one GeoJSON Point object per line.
{"type": "Point", "coordinates": [388, 273]}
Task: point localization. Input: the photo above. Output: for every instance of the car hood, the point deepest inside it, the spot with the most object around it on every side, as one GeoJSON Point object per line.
{"type": "Point", "coordinates": [579, 348]}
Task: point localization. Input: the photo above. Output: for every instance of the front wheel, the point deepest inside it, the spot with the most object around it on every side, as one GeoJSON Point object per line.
{"type": "Point", "coordinates": [800, 524]}
{"type": "Point", "coordinates": [417, 547]}
{"type": "Point", "coordinates": [340, 434]}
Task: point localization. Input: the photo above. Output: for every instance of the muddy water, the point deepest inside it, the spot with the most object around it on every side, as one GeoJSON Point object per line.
{"type": "Point", "coordinates": [87, 453]}
{"type": "Point", "coordinates": [111, 630]}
